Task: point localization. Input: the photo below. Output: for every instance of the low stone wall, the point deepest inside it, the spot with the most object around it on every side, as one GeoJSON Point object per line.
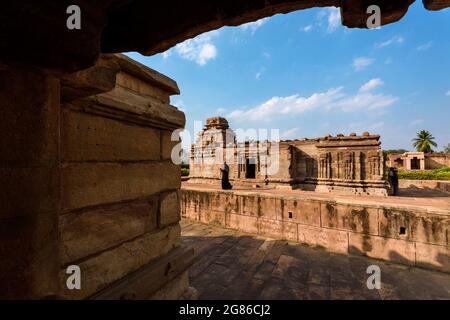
{"type": "Point", "coordinates": [418, 237]}
{"type": "Point", "coordinates": [425, 184]}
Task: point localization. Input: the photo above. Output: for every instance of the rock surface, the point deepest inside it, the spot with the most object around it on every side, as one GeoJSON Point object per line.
{"type": "Point", "coordinates": [43, 40]}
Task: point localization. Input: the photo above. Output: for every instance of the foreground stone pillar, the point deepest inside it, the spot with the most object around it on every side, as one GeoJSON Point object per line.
{"type": "Point", "coordinates": [120, 211]}
{"type": "Point", "coordinates": [87, 180]}
{"type": "Point", "coordinates": [29, 189]}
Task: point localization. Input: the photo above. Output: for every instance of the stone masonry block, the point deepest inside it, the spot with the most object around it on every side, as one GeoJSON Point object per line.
{"type": "Point", "coordinates": [93, 231]}
{"type": "Point", "coordinates": [416, 226]}
{"type": "Point", "coordinates": [101, 270]}
{"type": "Point", "coordinates": [91, 184]}
{"type": "Point", "coordinates": [170, 208]}
{"type": "Point", "coordinates": [350, 217]}
{"type": "Point", "coordinates": [329, 239]}
{"type": "Point", "coordinates": [277, 229]}
{"type": "Point", "coordinates": [395, 250]}
{"type": "Point", "coordinates": [243, 223]}
{"type": "Point", "coordinates": [167, 145]}
{"type": "Point", "coordinates": [87, 137]}
{"type": "Point", "coordinates": [300, 211]}
{"type": "Point", "coordinates": [432, 256]}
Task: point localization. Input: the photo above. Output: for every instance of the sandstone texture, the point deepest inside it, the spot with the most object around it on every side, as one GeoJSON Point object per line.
{"type": "Point", "coordinates": [88, 182]}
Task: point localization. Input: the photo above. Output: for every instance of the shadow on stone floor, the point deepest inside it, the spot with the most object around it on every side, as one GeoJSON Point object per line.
{"type": "Point", "coordinates": [422, 193]}
{"type": "Point", "coordinates": [233, 265]}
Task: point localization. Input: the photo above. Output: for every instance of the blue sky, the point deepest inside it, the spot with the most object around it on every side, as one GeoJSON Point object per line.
{"type": "Point", "coordinates": [306, 75]}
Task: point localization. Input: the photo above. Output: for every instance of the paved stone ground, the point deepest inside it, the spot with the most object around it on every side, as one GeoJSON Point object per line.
{"type": "Point", "coordinates": [233, 265]}
{"type": "Point", "coordinates": [423, 198]}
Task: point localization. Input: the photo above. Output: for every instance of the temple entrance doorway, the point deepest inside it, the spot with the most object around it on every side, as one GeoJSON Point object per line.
{"type": "Point", "coordinates": [415, 164]}
{"type": "Point", "coordinates": [250, 172]}
{"type": "Point", "coordinates": [399, 163]}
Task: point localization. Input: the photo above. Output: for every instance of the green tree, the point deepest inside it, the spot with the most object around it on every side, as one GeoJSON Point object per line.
{"type": "Point", "coordinates": [424, 141]}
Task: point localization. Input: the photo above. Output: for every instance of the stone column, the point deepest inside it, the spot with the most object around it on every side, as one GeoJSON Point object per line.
{"type": "Point", "coordinates": [422, 164]}
{"type": "Point", "coordinates": [30, 187]}
{"type": "Point", "coordinates": [358, 165]}
{"type": "Point", "coordinates": [408, 163]}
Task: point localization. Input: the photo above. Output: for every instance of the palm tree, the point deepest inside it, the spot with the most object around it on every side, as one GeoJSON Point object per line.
{"type": "Point", "coordinates": [424, 141]}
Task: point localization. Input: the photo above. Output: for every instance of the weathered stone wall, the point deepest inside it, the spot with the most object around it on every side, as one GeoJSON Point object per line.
{"type": "Point", "coordinates": [88, 180]}
{"type": "Point", "coordinates": [351, 164]}
{"type": "Point", "coordinates": [424, 161]}
{"type": "Point", "coordinates": [343, 163]}
{"type": "Point", "coordinates": [119, 186]}
{"type": "Point", "coordinates": [305, 158]}
{"type": "Point", "coordinates": [399, 234]}
{"type": "Point", "coordinates": [425, 184]}
{"type": "Point", "coordinates": [436, 161]}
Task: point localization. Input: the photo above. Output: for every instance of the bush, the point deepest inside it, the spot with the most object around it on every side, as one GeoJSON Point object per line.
{"type": "Point", "coordinates": [438, 174]}
{"type": "Point", "coordinates": [184, 172]}
{"type": "Point", "coordinates": [443, 169]}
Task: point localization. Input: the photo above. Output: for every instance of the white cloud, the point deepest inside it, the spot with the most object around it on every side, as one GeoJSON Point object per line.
{"type": "Point", "coordinates": [425, 46]}
{"type": "Point", "coordinates": [267, 55]}
{"type": "Point", "coordinates": [179, 104]}
{"type": "Point", "coordinates": [329, 18]}
{"type": "Point", "coordinates": [167, 54]}
{"type": "Point", "coordinates": [253, 26]}
{"type": "Point", "coordinates": [200, 49]}
{"type": "Point", "coordinates": [334, 19]}
{"type": "Point", "coordinates": [396, 39]}
{"type": "Point", "coordinates": [221, 111]}
{"type": "Point", "coordinates": [415, 122]}
{"type": "Point", "coordinates": [260, 73]}
{"type": "Point", "coordinates": [307, 28]}
{"type": "Point", "coordinates": [362, 62]}
{"type": "Point", "coordinates": [289, 134]}
{"type": "Point", "coordinates": [371, 84]}
{"type": "Point", "coordinates": [287, 105]}
{"type": "Point", "coordinates": [334, 98]}
{"type": "Point", "coordinates": [448, 93]}
{"type": "Point", "coordinates": [366, 101]}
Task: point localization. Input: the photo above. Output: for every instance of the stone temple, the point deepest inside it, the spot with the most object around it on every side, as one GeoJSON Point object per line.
{"type": "Point", "coordinates": [342, 163]}
{"type": "Point", "coordinates": [85, 155]}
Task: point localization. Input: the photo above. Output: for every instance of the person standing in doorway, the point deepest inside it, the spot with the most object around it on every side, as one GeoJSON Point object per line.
{"type": "Point", "coordinates": [226, 185]}
{"type": "Point", "coordinates": [393, 179]}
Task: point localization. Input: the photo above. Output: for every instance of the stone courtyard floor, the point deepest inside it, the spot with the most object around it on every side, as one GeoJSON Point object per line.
{"type": "Point", "coordinates": [233, 265]}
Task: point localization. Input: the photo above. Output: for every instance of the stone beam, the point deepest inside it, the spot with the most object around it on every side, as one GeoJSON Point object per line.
{"type": "Point", "coordinates": [436, 4]}
{"type": "Point", "coordinates": [35, 33]}
{"type": "Point", "coordinates": [182, 20]}
{"type": "Point", "coordinates": [95, 80]}
{"type": "Point", "coordinates": [354, 12]}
